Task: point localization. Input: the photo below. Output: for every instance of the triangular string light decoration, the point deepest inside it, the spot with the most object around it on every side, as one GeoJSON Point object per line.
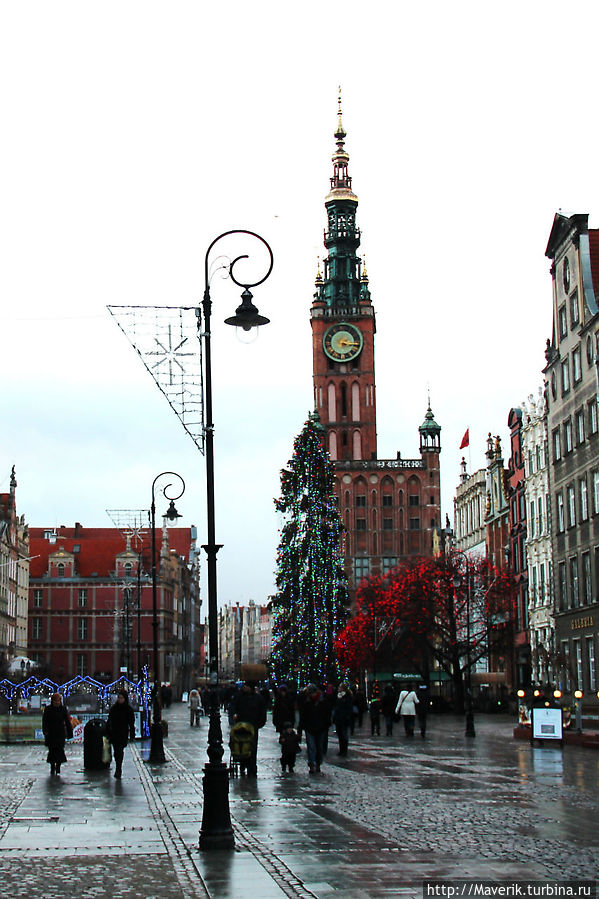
{"type": "Point", "coordinates": [163, 337]}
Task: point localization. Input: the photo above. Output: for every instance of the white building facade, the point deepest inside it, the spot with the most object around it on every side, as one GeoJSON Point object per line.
{"type": "Point", "coordinates": [538, 541]}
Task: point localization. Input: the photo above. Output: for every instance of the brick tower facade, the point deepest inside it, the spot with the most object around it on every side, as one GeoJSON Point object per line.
{"type": "Point", "coordinates": [390, 507]}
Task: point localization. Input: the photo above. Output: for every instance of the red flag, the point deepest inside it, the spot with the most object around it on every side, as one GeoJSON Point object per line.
{"type": "Point", "coordinates": [465, 439]}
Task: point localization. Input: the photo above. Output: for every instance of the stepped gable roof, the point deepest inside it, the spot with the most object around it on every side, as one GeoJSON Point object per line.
{"type": "Point", "coordinates": [98, 547]}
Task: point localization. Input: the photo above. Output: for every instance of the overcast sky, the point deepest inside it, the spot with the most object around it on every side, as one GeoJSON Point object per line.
{"type": "Point", "coordinates": [134, 133]}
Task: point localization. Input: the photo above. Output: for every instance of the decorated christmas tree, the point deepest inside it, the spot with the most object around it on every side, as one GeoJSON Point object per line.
{"type": "Point", "coordinates": [310, 605]}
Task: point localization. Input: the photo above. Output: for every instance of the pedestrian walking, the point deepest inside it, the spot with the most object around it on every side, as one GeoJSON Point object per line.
{"type": "Point", "coordinates": [374, 710]}
{"type": "Point", "coordinates": [57, 729]}
{"type": "Point", "coordinates": [422, 708]}
{"type": "Point", "coordinates": [360, 704]}
{"type": "Point", "coordinates": [250, 708]}
{"type": "Point", "coordinates": [342, 716]}
{"type": "Point", "coordinates": [121, 728]}
{"type": "Point", "coordinates": [289, 746]}
{"type": "Point", "coordinates": [388, 709]}
{"type": "Point", "coordinates": [315, 720]}
{"type": "Point", "coordinates": [194, 708]}
{"type": "Point", "coordinates": [283, 710]}
{"type": "Point", "coordinates": [406, 707]}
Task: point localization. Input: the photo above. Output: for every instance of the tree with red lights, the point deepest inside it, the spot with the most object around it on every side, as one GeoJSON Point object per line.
{"type": "Point", "coordinates": [452, 609]}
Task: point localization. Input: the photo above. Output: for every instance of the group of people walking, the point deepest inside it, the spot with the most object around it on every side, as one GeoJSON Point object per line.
{"type": "Point", "coordinates": [57, 729]}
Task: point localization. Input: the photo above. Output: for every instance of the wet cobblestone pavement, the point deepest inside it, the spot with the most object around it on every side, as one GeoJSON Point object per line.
{"type": "Point", "coordinates": [374, 824]}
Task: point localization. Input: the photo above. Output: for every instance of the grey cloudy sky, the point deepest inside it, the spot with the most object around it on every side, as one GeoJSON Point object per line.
{"type": "Point", "coordinates": [134, 133]}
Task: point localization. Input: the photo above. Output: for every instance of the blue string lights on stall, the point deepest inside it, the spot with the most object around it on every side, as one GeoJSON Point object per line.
{"type": "Point", "coordinates": [83, 684]}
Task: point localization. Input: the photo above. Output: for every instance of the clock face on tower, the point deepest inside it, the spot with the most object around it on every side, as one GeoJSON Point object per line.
{"type": "Point", "coordinates": [342, 342]}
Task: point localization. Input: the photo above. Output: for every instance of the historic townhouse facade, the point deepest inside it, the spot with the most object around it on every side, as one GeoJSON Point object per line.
{"type": "Point", "coordinates": [516, 558]}
{"type": "Point", "coordinates": [470, 503]}
{"type": "Point", "coordinates": [541, 622]}
{"type": "Point", "coordinates": [390, 507]}
{"type": "Point", "coordinates": [571, 390]}
{"type": "Point", "coordinates": [91, 603]}
{"type": "Point", "coordinates": [14, 576]}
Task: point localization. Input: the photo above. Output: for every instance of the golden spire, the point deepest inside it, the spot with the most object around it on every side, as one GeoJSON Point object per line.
{"type": "Point", "coordinates": [339, 133]}
{"type": "Point", "coordinates": [318, 274]}
{"type": "Point", "coordinates": [364, 276]}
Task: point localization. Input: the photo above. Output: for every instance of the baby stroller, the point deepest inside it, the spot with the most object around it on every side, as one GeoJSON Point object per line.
{"type": "Point", "coordinates": [241, 744]}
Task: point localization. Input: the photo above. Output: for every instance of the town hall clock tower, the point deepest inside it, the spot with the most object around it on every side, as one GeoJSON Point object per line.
{"type": "Point", "coordinates": [390, 507]}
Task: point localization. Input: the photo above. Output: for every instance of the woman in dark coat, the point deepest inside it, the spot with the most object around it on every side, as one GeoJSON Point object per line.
{"type": "Point", "coordinates": [121, 728]}
{"type": "Point", "coordinates": [57, 728]}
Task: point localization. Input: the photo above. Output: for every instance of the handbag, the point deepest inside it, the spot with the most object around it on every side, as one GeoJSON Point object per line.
{"type": "Point", "coordinates": [106, 751]}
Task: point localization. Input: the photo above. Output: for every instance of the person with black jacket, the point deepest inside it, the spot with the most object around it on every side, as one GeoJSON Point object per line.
{"type": "Point", "coordinates": [57, 728]}
{"type": "Point", "coordinates": [121, 727]}
{"type": "Point", "coordinates": [249, 706]}
{"type": "Point", "coordinates": [315, 720]}
{"type": "Point", "coordinates": [283, 710]}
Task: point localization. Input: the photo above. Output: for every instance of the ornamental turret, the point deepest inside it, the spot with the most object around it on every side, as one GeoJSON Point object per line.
{"type": "Point", "coordinates": [342, 283]}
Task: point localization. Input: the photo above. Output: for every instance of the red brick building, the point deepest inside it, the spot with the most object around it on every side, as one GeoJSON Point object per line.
{"type": "Point", "coordinates": [390, 507]}
{"type": "Point", "coordinates": [90, 603]}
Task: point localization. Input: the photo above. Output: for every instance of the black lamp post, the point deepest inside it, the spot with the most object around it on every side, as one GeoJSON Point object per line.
{"type": "Point", "coordinates": [216, 831]}
{"type": "Point", "coordinates": [469, 731]}
{"type": "Point", "coordinates": [156, 743]}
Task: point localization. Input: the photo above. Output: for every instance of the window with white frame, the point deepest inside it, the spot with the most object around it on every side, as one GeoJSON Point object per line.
{"type": "Point", "coordinates": [562, 316]}
{"type": "Point", "coordinates": [534, 587]}
{"type": "Point", "coordinates": [584, 499]}
{"type": "Point", "coordinates": [571, 505]}
{"type": "Point", "coordinates": [540, 514]}
{"type": "Point", "coordinates": [557, 445]}
{"type": "Point", "coordinates": [596, 492]}
{"type": "Point", "coordinates": [36, 628]}
{"type": "Point", "coordinates": [389, 562]}
{"type": "Point", "coordinates": [82, 598]}
{"type": "Point", "coordinates": [566, 669]}
{"type": "Point", "coordinates": [568, 436]}
{"type": "Point", "coordinates": [576, 365]}
{"type": "Point", "coordinates": [361, 569]}
{"type": "Point", "coordinates": [542, 584]}
{"type": "Point", "coordinates": [578, 662]}
{"type": "Point", "coordinates": [81, 664]}
{"type": "Point", "coordinates": [574, 312]}
{"type": "Point", "coordinates": [38, 599]}
{"type": "Point", "coordinates": [82, 629]}
{"type": "Point", "coordinates": [587, 585]}
{"type": "Point", "coordinates": [580, 426]}
{"type": "Point", "coordinates": [590, 652]}
{"type": "Point", "coordinates": [593, 417]}
{"type": "Point", "coordinates": [559, 500]}
{"type": "Point", "coordinates": [565, 376]}
{"type": "Point", "coordinates": [563, 586]}
{"type": "Point", "coordinates": [531, 520]}
{"type": "Point", "coordinates": [574, 582]}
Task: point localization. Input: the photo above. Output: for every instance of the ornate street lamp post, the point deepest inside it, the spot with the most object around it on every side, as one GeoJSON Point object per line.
{"type": "Point", "coordinates": [216, 831]}
{"type": "Point", "coordinates": [156, 742]}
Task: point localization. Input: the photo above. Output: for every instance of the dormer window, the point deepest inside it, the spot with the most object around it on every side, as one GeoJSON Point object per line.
{"type": "Point", "coordinates": [60, 569]}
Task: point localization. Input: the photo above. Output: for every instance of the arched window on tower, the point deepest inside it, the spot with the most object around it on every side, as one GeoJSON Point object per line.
{"type": "Point", "coordinates": [332, 403]}
{"type": "Point", "coordinates": [333, 446]}
{"type": "Point", "coordinates": [355, 401]}
{"type": "Point", "coordinates": [357, 445]}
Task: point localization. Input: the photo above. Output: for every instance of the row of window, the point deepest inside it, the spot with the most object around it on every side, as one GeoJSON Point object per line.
{"type": "Point", "coordinates": [38, 598]}
{"type": "Point", "coordinates": [127, 569]}
{"type": "Point", "coordinates": [387, 524]}
{"type": "Point", "coordinates": [387, 500]}
{"type": "Point", "coordinates": [536, 460]}
{"type": "Point", "coordinates": [37, 627]}
{"type": "Point", "coordinates": [362, 567]}
{"type": "Point", "coordinates": [581, 649]}
{"type": "Point", "coordinates": [571, 369]}
{"type": "Point", "coordinates": [538, 517]}
{"type": "Point", "coordinates": [563, 437]}
{"type": "Point", "coordinates": [575, 582]}
{"type": "Point", "coordinates": [562, 315]}
{"type": "Point", "coordinates": [539, 582]}
{"type": "Point", "coordinates": [567, 511]}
